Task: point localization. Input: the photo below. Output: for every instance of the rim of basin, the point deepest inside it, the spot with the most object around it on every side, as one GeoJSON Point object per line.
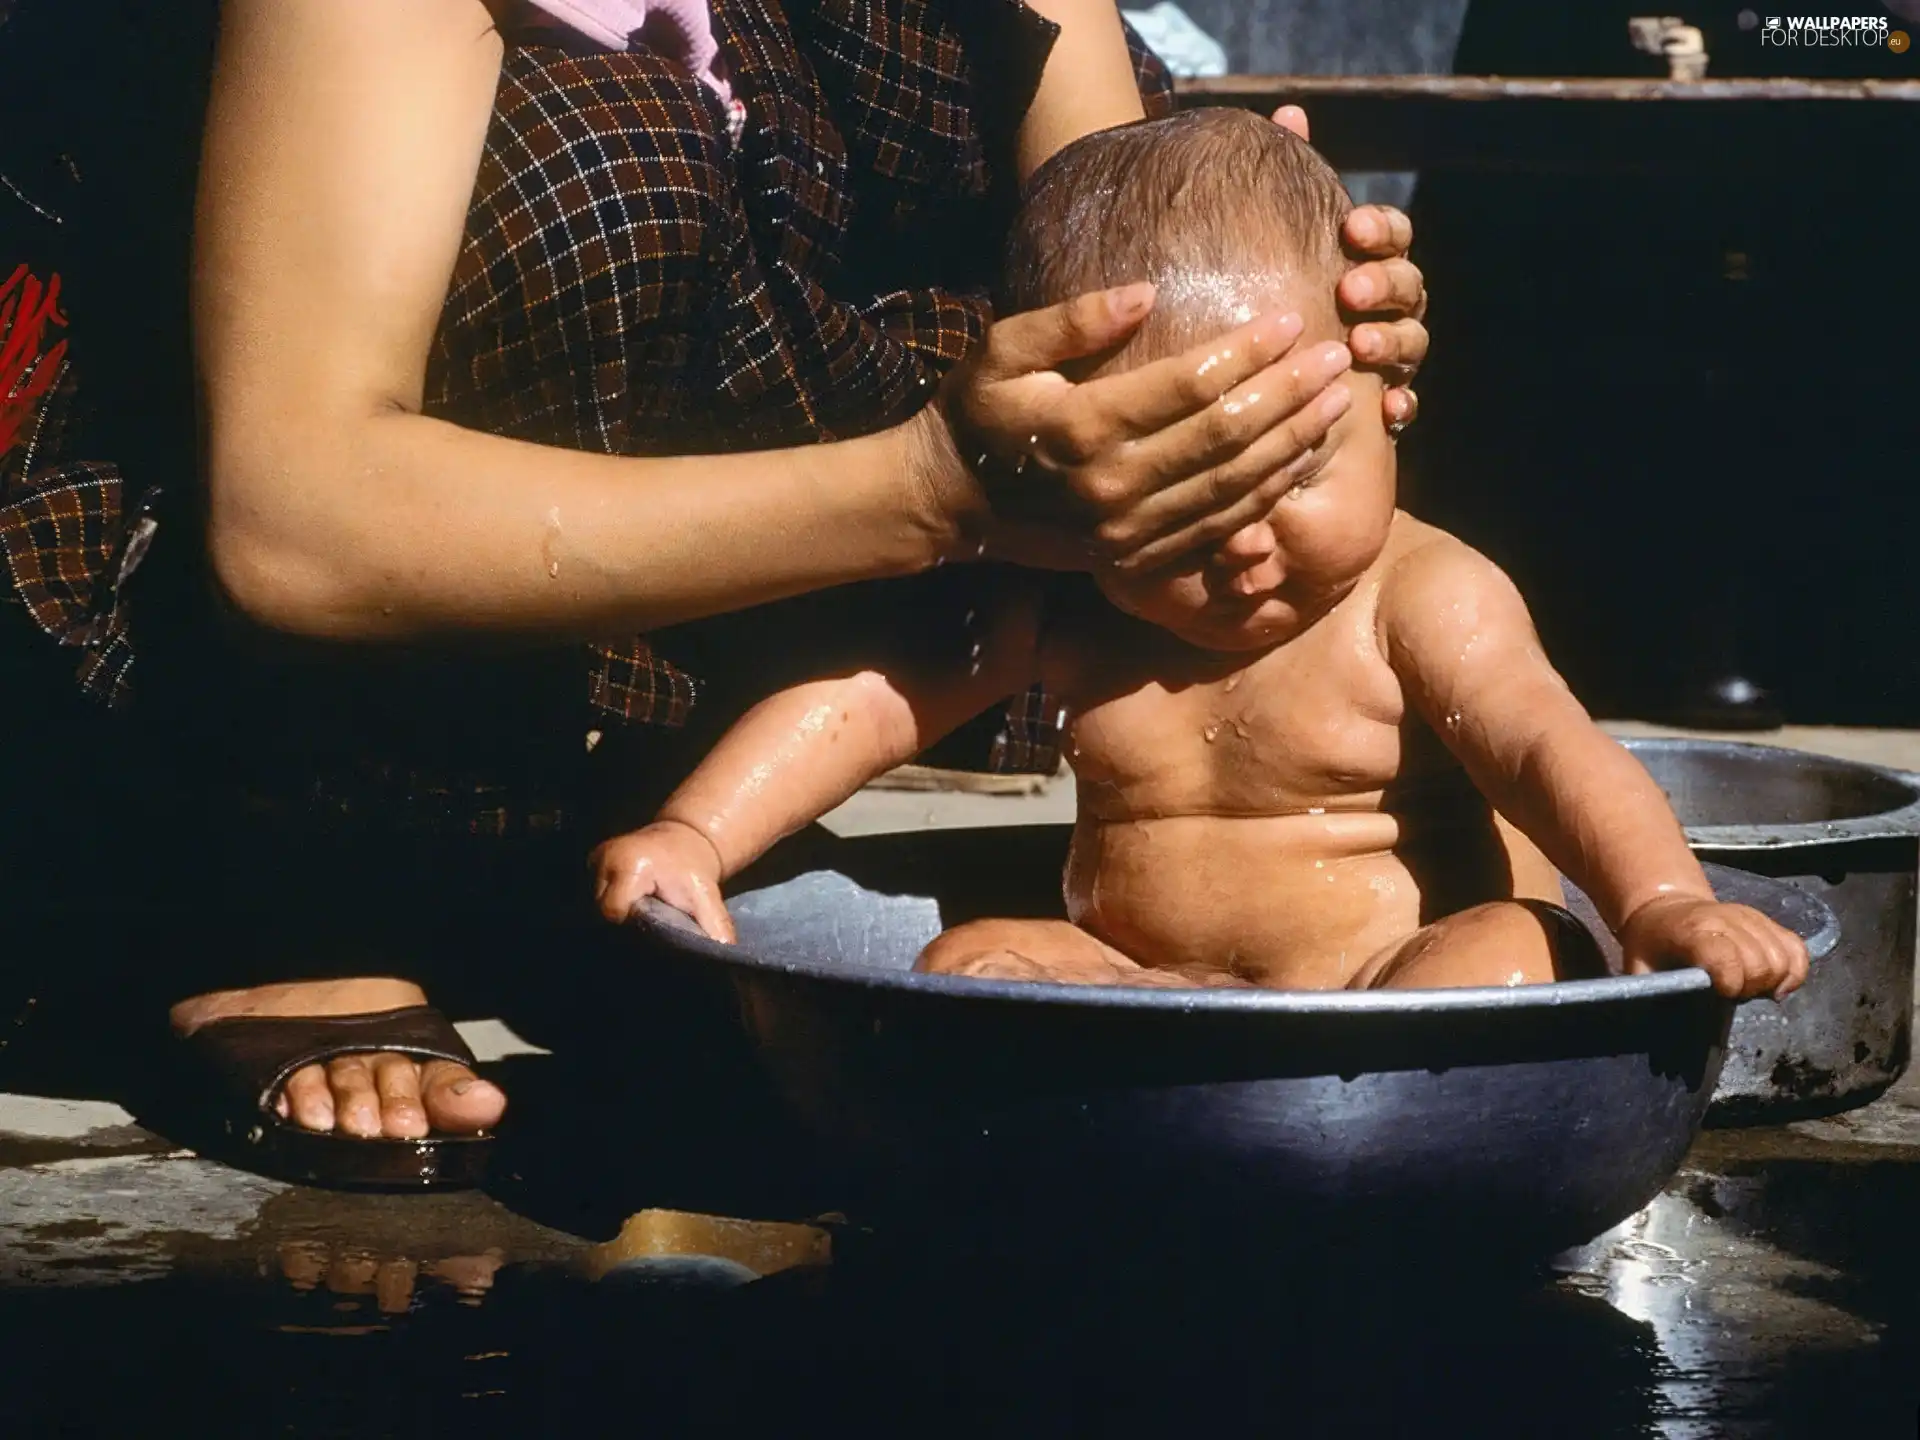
{"type": "Point", "coordinates": [1611, 990]}
{"type": "Point", "coordinates": [1900, 821]}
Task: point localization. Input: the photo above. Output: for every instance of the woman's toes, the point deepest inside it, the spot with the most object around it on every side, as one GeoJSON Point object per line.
{"type": "Point", "coordinates": [309, 1101]}
{"type": "Point", "coordinates": [356, 1103]}
{"type": "Point", "coordinates": [397, 1079]}
{"type": "Point", "coordinates": [458, 1101]}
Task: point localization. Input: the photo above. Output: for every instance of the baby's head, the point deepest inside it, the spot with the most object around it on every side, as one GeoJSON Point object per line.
{"type": "Point", "coordinates": [1231, 217]}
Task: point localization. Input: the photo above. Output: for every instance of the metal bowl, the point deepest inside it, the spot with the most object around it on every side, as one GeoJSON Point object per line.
{"type": "Point", "coordinates": [1849, 835]}
{"type": "Point", "coordinates": [1524, 1119]}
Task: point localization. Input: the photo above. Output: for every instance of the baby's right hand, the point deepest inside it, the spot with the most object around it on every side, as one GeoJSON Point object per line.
{"type": "Point", "coordinates": [669, 860]}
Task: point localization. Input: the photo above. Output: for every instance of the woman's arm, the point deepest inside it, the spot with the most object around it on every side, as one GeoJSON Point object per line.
{"type": "Point", "coordinates": [342, 143]}
{"type": "Point", "coordinates": [1088, 84]}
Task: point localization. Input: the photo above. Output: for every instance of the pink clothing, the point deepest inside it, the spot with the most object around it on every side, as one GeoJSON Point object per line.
{"type": "Point", "coordinates": [680, 30]}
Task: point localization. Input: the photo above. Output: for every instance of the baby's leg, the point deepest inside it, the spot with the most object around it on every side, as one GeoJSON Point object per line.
{"type": "Point", "coordinates": [1509, 942]}
{"type": "Point", "coordinates": [1047, 950]}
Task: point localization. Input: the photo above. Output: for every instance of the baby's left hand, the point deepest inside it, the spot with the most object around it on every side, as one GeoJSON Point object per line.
{"type": "Point", "coordinates": [1746, 953]}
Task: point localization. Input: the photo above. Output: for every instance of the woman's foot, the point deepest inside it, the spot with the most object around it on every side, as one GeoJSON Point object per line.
{"type": "Point", "coordinates": [366, 1096]}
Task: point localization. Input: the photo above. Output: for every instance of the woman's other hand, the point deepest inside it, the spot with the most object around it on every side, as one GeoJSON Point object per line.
{"type": "Point", "coordinates": [1136, 469]}
{"type": "Point", "coordinates": [1386, 289]}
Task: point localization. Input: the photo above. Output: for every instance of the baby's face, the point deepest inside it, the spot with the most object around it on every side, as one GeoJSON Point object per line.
{"type": "Point", "coordinates": [1277, 577]}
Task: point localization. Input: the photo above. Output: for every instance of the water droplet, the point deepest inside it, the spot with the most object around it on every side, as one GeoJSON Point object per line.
{"type": "Point", "coordinates": [1232, 680]}
{"type": "Point", "coordinates": [553, 569]}
{"type": "Point", "coordinates": [1319, 864]}
{"type": "Point", "coordinates": [593, 740]}
{"type": "Point", "coordinates": [1210, 734]}
{"type": "Point", "coordinates": [1453, 721]}
{"type": "Point", "coordinates": [970, 615]}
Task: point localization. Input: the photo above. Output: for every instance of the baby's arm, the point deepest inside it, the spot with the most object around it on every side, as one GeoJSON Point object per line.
{"type": "Point", "coordinates": [801, 752]}
{"type": "Point", "coordinates": [1458, 635]}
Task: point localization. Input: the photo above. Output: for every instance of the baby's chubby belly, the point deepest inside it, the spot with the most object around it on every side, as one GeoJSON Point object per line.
{"type": "Point", "coordinates": [1298, 901]}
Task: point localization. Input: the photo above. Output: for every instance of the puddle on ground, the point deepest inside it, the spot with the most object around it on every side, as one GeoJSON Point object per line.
{"type": "Point", "coordinates": [1773, 1298]}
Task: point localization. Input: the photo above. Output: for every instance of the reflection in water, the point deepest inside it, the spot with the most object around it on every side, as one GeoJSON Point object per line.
{"type": "Point", "coordinates": [1767, 1302]}
{"type": "Point", "coordinates": [393, 1284]}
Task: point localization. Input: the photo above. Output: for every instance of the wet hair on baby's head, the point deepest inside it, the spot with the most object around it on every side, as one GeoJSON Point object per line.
{"type": "Point", "coordinates": [1222, 209]}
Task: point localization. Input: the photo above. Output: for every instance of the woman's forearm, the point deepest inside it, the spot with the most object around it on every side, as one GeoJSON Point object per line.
{"type": "Point", "coordinates": [404, 526]}
{"type": "Point", "coordinates": [342, 141]}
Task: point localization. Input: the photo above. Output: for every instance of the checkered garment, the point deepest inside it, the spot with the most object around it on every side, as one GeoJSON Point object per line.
{"type": "Point", "coordinates": [67, 536]}
{"type": "Point", "coordinates": [648, 270]}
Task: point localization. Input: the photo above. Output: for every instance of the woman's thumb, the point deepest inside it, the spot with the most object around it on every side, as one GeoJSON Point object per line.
{"type": "Point", "coordinates": [1044, 339]}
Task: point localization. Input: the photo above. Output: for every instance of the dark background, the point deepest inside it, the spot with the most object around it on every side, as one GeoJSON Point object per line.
{"type": "Point", "coordinates": [1684, 471]}
{"type": "Point", "coordinates": [1691, 463]}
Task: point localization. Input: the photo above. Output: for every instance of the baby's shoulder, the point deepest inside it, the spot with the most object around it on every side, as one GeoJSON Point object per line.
{"type": "Point", "coordinates": [1432, 581]}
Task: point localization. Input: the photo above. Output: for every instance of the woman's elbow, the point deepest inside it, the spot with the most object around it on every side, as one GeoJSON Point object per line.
{"type": "Point", "coordinates": [271, 567]}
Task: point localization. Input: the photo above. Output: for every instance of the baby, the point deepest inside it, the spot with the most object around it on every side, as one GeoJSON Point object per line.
{"type": "Point", "coordinates": [1331, 756]}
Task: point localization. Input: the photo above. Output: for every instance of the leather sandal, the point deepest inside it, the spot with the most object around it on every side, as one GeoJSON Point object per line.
{"type": "Point", "coordinates": [245, 1059]}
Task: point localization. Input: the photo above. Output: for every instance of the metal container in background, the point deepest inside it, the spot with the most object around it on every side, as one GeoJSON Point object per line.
{"type": "Point", "coordinates": [1849, 834]}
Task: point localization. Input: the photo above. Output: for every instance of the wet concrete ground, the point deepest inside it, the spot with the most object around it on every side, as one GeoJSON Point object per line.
{"type": "Point", "coordinates": [1772, 1290]}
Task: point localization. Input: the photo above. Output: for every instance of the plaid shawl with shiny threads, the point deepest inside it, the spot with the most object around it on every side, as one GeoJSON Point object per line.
{"type": "Point", "coordinates": [636, 280]}
{"type": "Point", "coordinates": [643, 273]}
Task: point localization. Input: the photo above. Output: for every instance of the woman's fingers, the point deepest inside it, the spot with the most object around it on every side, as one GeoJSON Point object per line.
{"type": "Point", "coordinates": [1390, 287]}
{"type": "Point", "coordinates": [1292, 117]}
{"type": "Point", "coordinates": [1201, 512]}
{"type": "Point", "coordinates": [1230, 446]}
{"type": "Point", "coordinates": [1376, 231]}
{"type": "Point", "coordinates": [1150, 399]}
{"type": "Point", "coordinates": [1402, 407]}
{"type": "Point", "coordinates": [1040, 340]}
{"type": "Point", "coordinates": [1397, 346]}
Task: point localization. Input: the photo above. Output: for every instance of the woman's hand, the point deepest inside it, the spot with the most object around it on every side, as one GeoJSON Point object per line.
{"type": "Point", "coordinates": [1135, 469]}
{"type": "Point", "coordinates": [1387, 287]}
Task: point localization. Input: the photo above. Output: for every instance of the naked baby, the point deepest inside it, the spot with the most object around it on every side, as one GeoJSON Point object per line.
{"type": "Point", "coordinates": [1332, 755]}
